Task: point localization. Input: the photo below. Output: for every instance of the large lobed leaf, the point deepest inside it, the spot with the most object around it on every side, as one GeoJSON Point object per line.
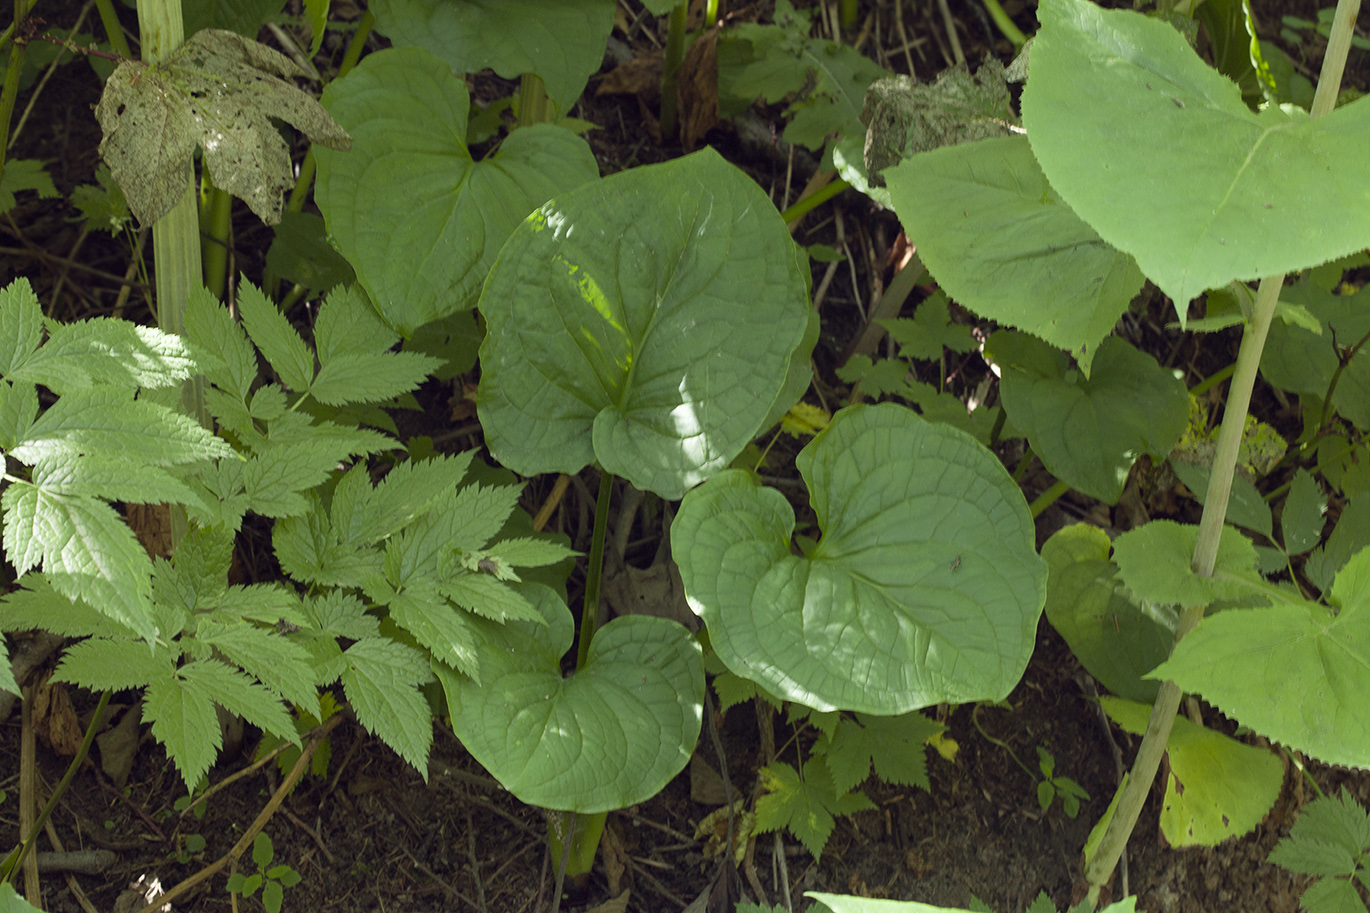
{"type": "Point", "coordinates": [926, 586]}
{"type": "Point", "coordinates": [648, 321]}
{"type": "Point", "coordinates": [415, 215]}
{"type": "Point", "coordinates": [1237, 195]}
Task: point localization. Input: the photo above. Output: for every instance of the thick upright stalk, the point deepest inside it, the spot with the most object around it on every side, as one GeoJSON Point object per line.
{"type": "Point", "coordinates": [1230, 435]}
{"type": "Point", "coordinates": [534, 107]}
{"type": "Point", "coordinates": [670, 71]}
{"type": "Point", "coordinates": [589, 616]}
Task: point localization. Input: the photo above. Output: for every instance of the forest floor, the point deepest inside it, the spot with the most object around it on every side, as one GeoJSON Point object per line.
{"type": "Point", "coordinates": [372, 835]}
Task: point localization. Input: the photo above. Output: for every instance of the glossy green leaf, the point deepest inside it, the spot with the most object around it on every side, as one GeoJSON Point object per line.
{"type": "Point", "coordinates": [1215, 786]}
{"type": "Point", "coordinates": [561, 42]}
{"type": "Point", "coordinates": [1087, 605]}
{"type": "Point", "coordinates": [418, 219]}
{"type": "Point", "coordinates": [1295, 672]}
{"type": "Point", "coordinates": [1089, 431]}
{"type": "Point", "coordinates": [1001, 241]}
{"type": "Point", "coordinates": [926, 586]}
{"type": "Point", "coordinates": [1258, 192]}
{"type": "Point", "coordinates": [647, 321]}
{"type": "Point", "coordinates": [612, 734]}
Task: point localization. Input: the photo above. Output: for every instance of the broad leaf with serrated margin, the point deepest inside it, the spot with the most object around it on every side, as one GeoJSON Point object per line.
{"type": "Point", "coordinates": [1154, 562]}
{"type": "Point", "coordinates": [611, 735]}
{"type": "Point", "coordinates": [225, 355]}
{"type": "Point", "coordinates": [21, 325]}
{"type": "Point", "coordinates": [355, 364]}
{"type": "Point", "coordinates": [805, 805]}
{"type": "Point", "coordinates": [276, 338]}
{"type": "Point", "coordinates": [1295, 672]}
{"type": "Point", "coordinates": [925, 587]}
{"type": "Point", "coordinates": [646, 321]}
{"type": "Point", "coordinates": [563, 43]}
{"type": "Point", "coordinates": [1090, 430]}
{"type": "Point", "coordinates": [893, 743]}
{"type": "Point", "coordinates": [1002, 243]}
{"type": "Point", "coordinates": [418, 219]}
{"type": "Point", "coordinates": [1259, 193]}
{"type": "Point", "coordinates": [381, 681]}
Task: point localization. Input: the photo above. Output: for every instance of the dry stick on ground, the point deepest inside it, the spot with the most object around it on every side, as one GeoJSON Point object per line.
{"type": "Point", "coordinates": [245, 842]}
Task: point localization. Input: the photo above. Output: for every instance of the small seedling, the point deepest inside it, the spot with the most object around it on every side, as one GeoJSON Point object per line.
{"type": "Point", "coordinates": [1051, 786]}
{"type": "Point", "coordinates": [272, 879]}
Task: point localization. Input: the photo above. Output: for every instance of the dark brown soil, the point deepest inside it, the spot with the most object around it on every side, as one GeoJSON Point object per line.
{"type": "Point", "coordinates": [372, 835]}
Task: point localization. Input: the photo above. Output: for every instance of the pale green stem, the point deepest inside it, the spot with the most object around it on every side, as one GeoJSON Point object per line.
{"type": "Point", "coordinates": [10, 92]}
{"type": "Point", "coordinates": [712, 10]}
{"type": "Point", "coordinates": [216, 223]}
{"type": "Point", "coordinates": [1005, 24]}
{"type": "Point", "coordinates": [670, 71]}
{"type": "Point", "coordinates": [589, 614]}
{"type": "Point", "coordinates": [579, 852]}
{"type": "Point", "coordinates": [802, 206]}
{"type": "Point", "coordinates": [534, 107]}
{"type": "Point", "coordinates": [1215, 505]}
{"type": "Point", "coordinates": [113, 30]}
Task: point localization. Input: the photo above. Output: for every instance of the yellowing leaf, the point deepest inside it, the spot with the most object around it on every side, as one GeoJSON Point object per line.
{"type": "Point", "coordinates": [217, 91]}
{"type": "Point", "coordinates": [804, 418]}
{"type": "Point", "coordinates": [945, 746]}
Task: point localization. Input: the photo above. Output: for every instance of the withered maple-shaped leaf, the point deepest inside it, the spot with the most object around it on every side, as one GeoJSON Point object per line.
{"type": "Point", "coordinates": [218, 91]}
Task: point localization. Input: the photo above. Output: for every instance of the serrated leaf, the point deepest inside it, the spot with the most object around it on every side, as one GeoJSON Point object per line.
{"type": "Point", "coordinates": [24, 174]}
{"type": "Point", "coordinates": [276, 338]}
{"type": "Point", "coordinates": [1089, 431]}
{"type": "Point", "coordinates": [930, 330]}
{"type": "Point", "coordinates": [733, 689]}
{"type": "Point", "coordinates": [108, 351]}
{"type": "Point", "coordinates": [380, 681]}
{"type": "Point", "coordinates": [114, 665]}
{"type": "Point", "coordinates": [893, 743]}
{"type": "Point", "coordinates": [277, 663]}
{"type": "Point", "coordinates": [1303, 518]}
{"type": "Point", "coordinates": [217, 91]}
{"type": "Point", "coordinates": [308, 549]}
{"type": "Point", "coordinates": [805, 805]}
{"type": "Point", "coordinates": [103, 204]}
{"type": "Point", "coordinates": [18, 409]}
{"type": "Point", "coordinates": [21, 325]}
{"type": "Point", "coordinates": [418, 219]}
{"type": "Point", "coordinates": [276, 477]}
{"type": "Point", "coordinates": [85, 548]}
{"type": "Point", "coordinates": [437, 625]}
{"type": "Point", "coordinates": [1245, 506]}
{"type": "Point", "coordinates": [111, 477]}
{"type": "Point", "coordinates": [34, 605]}
{"type": "Point", "coordinates": [529, 552]}
{"type": "Point", "coordinates": [363, 515]}
{"type": "Point", "coordinates": [1294, 672]}
{"type": "Point", "coordinates": [316, 16]}
{"type": "Point", "coordinates": [1330, 836]}
{"type": "Point", "coordinates": [489, 598]}
{"type": "Point", "coordinates": [1153, 561]}
{"type": "Point", "coordinates": [183, 719]}
{"type": "Point", "coordinates": [238, 694]}
{"type": "Point", "coordinates": [227, 357]}
{"type": "Point", "coordinates": [341, 615]}
{"type": "Point", "coordinates": [110, 420]}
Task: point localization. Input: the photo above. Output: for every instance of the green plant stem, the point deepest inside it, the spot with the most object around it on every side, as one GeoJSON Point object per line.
{"type": "Point", "coordinates": [1215, 506]}
{"type": "Point", "coordinates": [849, 13]}
{"type": "Point", "coordinates": [1212, 380]}
{"type": "Point", "coordinates": [670, 72]}
{"type": "Point", "coordinates": [1005, 24]}
{"type": "Point", "coordinates": [1047, 498]}
{"type": "Point", "coordinates": [802, 206]}
{"type": "Point", "coordinates": [11, 89]}
{"type": "Point", "coordinates": [21, 9]}
{"type": "Point", "coordinates": [1342, 362]}
{"type": "Point", "coordinates": [712, 10]}
{"type": "Point", "coordinates": [9, 867]}
{"type": "Point", "coordinates": [216, 222]}
{"type": "Point", "coordinates": [975, 719]}
{"type": "Point", "coordinates": [113, 30]}
{"type": "Point", "coordinates": [576, 853]}
{"type": "Point", "coordinates": [589, 613]}
{"type": "Point", "coordinates": [533, 103]}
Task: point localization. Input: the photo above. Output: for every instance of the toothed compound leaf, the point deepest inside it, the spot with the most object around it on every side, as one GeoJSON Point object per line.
{"type": "Point", "coordinates": [276, 338]}
{"type": "Point", "coordinates": [85, 549]}
{"type": "Point", "coordinates": [309, 550]}
{"type": "Point", "coordinates": [35, 605]}
{"type": "Point", "coordinates": [478, 513]}
{"type": "Point", "coordinates": [226, 357]}
{"type": "Point", "coordinates": [24, 174]}
{"type": "Point", "coordinates": [18, 409]}
{"type": "Point", "coordinates": [1303, 517]}
{"type": "Point", "coordinates": [418, 219]}
{"type": "Point", "coordinates": [365, 515]}
{"type": "Point", "coordinates": [106, 351]}
{"type": "Point", "coordinates": [1261, 192]}
{"type": "Point", "coordinates": [1090, 430]}
{"type": "Point", "coordinates": [279, 664]}
{"type": "Point", "coordinates": [612, 734]}
{"type": "Point", "coordinates": [893, 743]}
{"type": "Point", "coordinates": [114, 665]}
{"type": "Point", "coordinates": [381, 682]}
{"type": "Point", "coordinates": [563, 43]}
{"type": "Point", "coordinates": [804, 805]}
{"type": "Point", "coordinates": [355, 364]}
{"type": "Point", "coordinates": [1001, 241]}
{"type": "Point", "coordinates": [529, 552]}
{"type": "Point", "coordinates": [109, 419]}
{"type": "Point", "coordinates": [925, 587]}
{"type": "Point", "coordinates": [1216, 787]}
{"type": "Point", "coordinates": [21, 326]}
{"type": "Point", "coordinates": [1331, 835]}
{"type": "Point", "coordinates": [829, 78]}
{"type": "Point", "coordinates": [437, 625]}
{"type": "Point", "coordinates": [646, 321]}
{"type": "Point", "coordinates": [1153, 561]}
{"type": "Point", "coordinates": [1295, 672]}
{"type": "Point", "coordinates": [217, 91]}
{"type": "Point", "coordinates": [489, 598]}
{"type": "Point", "coordinates": [276, 478]}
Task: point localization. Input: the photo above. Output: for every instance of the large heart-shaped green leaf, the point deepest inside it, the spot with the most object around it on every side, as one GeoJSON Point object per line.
{"type": "Point", "coordinates": [1160, 155]}
{"type": "Point", "coordinates": [647, 321]}
{"type": "Point", "coordinates": [926, 586]}
{"type": "Point", "coordinates": [418, 219]}
{"type": "Point", "coordinates": [559, 41]}
{"type": "Point", "coordinates": [1089, 431]}
{"type": "Point", "coordinates": [1002, 243]}
{"type": "Point", "coordinates": [612, 734]}
{"type": "Point", "coordinates": [1295, 671]}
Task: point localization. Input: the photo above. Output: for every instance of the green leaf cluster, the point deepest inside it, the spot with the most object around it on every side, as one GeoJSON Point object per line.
{"type": "Point", "coordinates": [804, 802]}
{"type": "Point", "coordinates": [1329, 841]}
{"type": "Point", "coordinates": [271, 879]}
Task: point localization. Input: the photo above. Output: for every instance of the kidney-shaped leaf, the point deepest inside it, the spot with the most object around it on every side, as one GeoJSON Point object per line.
{"type": "Point", "coordinates": [1002, 243]}
{"type": "Point", "coordinates": [1089, 431]}
{"type": "Point", "coordinates": [646, 321]}
{"type": "Point", "coordinates": [561, 42]}
{"type": "Point", "coordinates": [1295, 671]}
{"type": "Point", "coordinates": [612, 734]}
{"type": "Point", "coordinates": [1237, 194]}
{"type": "Point", "coordinates": [418, 219]}
{"type": "Point", "coordinates": [926, 586]}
